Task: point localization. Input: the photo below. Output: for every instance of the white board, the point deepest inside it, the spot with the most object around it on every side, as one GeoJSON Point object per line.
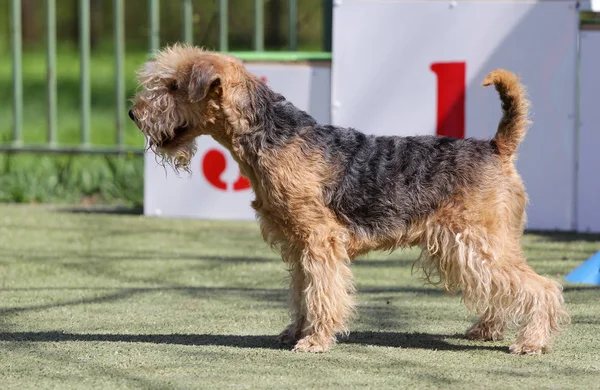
{"type": "Point", "coordinates": [383, 82]}
{"type": "Point", "coordinates": [588, 194]}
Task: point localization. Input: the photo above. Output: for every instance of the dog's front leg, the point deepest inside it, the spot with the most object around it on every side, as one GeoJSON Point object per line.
{"type": "Point", "coordinates": [327, 294]}
{"type": "Point", "coordinates": [292, 255]}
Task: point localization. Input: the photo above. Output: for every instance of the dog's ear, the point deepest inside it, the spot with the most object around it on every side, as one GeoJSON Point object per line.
{"type": "Point", "coordinates": [203, 79]}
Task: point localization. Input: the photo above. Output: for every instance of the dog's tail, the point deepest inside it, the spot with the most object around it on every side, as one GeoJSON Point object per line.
{"type": "Point", "coordinates": [514, 122]}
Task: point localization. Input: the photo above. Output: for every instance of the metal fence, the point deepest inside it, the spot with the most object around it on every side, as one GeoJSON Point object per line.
{"type": "Point", "coordinates": [16, 143]}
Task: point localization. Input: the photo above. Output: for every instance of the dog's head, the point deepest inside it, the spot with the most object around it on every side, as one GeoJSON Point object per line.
{"type": "Point", "coordinates": [186, 92]}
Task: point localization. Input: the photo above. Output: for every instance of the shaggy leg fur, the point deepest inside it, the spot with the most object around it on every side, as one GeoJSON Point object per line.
{"type": "Point", "coordinates": [489, 328]}
{"type": "Point", "coordinates": [298, 312]}
{"type": "Point", "coordinates": [539, 312]}
{"type": "Point", "coordinates": [327, 294]}
{"type": "Point", "coordinates": [513, 295]}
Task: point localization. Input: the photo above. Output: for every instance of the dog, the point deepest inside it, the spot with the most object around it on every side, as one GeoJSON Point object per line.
{"type": "Point", "coordinates": [325, 195]}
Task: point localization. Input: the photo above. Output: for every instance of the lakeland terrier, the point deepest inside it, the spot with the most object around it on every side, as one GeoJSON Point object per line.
{"type": "Point", "coordinates": [326, 194]}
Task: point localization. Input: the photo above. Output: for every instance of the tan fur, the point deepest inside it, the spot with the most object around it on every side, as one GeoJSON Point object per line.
{"type": "Point", "coordinates": [514, 122]}
{"type": "Point", "coordinates": [470, 244]}
{"type": "Point", "coordinates": [294, 218]}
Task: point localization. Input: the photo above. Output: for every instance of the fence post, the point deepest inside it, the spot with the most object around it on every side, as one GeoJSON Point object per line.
{"type": "Point", "coordinates": [84, 58]}
{"type": "Point", "coordinates": [293, 24]}
{"type": "Point", "coordinates": [188, 19]}
{"type": "Point", "coordinates": [119, 37]}
{"type": "Point", "coordinates": [259, 25]}
{"type": "Point", "coordinates": [223, 27]}
{"type": "Point", "coordinates": [17, 72]}
{"type": "Point", "coordinates": [154, 25]}
{"type": "Point", "coordinates": [51, 70]}
{"type": "Point", "coordinates": [327, 24]}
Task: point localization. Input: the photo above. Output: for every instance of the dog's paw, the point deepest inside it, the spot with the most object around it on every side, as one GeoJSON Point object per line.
{"type": "Point", "coordinates": [482, 332]}
{"type": "Point", "coordinates": [527, 349]}
{"type": "Point", "coordinates": [289, 336]}
{"type": "Point", "coordinates": [313, 344]}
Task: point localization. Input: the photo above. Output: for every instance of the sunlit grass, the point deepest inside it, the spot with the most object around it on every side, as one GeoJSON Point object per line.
{"type": "Point", "coordinates": [104, 300]}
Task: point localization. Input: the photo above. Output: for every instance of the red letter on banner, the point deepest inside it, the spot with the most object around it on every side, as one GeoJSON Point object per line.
{"type": "Point", "coordinates": [451, 85]}
{"type": "Point", "coordinates": [214, 164]}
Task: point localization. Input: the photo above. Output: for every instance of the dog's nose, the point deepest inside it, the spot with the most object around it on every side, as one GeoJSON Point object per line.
{"type": "Point", "coordinates": [131, 115]}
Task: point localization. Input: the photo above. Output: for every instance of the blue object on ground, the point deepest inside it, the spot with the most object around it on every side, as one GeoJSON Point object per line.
{"type": "Point", "coordinates": [588, 272]}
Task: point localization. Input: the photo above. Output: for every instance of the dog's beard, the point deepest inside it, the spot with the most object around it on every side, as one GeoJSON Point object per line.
{"type": "Point", "coordinates": [169, 145]}
{"type": "Point", "coordinates": [178, 158]}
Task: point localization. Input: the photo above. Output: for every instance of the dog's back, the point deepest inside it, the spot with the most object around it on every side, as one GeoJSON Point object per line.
{"type": "Point", "coordinates": [386, 183]}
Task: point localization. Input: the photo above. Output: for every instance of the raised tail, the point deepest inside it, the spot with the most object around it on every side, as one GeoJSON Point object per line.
{"type": "Point", "coordinates": [514, 122]}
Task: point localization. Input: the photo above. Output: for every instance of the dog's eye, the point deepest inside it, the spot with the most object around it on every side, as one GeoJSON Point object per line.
{"type": "Point", "coordinates": [173, 86]}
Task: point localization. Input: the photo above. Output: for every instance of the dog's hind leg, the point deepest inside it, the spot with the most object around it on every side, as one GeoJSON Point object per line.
{"type": "Point", "coordinates": [497, 284]}
{"type": "Point", "coordinates": [537, 310]}
{"type": "Point", "coordinates": [328, 291]}
{"type": "Point", "coordinates": [521, 298]}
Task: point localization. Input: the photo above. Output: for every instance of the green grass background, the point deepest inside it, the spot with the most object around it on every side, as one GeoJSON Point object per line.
{"type": "Point", "coordinates": [106, 300]}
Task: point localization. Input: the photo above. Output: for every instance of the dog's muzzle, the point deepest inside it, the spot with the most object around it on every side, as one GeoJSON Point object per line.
{"type": "Point", "coordinates": [170, 142]}
{"type": "Point", "coordinates": [180, 130]}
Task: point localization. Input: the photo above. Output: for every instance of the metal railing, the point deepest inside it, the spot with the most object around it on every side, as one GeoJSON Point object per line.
{"type": "Point", "coordinates": [16, 143]}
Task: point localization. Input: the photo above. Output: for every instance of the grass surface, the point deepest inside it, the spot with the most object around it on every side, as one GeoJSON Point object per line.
{"type": "Point", "coordinates": [104, 300]}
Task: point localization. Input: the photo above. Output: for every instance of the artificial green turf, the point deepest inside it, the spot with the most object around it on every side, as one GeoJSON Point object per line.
{"type": "Point", "coordinates": [103, 300]}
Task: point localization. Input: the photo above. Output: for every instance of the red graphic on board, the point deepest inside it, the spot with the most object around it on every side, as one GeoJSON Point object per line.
{"type": "Point", "coordinates": [451, 85]}
{"type": "Point", "coordinates": [214, 164]}
{"type": "Point", "coordinates": [241, 183]}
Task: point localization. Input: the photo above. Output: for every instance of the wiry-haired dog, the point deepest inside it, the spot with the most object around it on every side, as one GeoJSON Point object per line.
{"type": "Point", "coordinates": [327, 194]}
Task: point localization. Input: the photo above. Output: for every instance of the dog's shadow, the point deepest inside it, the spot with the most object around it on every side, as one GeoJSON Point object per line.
{"type": "Point", "coordinates": [441, 342]}
{"type": "Point", "coordinates": [383, 339]}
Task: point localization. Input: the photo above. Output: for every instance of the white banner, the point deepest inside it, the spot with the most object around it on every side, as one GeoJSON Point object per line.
{"type": "Point", "coordinates": [216, 190]}
{"type": "Point", "coordinates": [588, 193]}
{"type": "Point", "coordinates": [400, 67]}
